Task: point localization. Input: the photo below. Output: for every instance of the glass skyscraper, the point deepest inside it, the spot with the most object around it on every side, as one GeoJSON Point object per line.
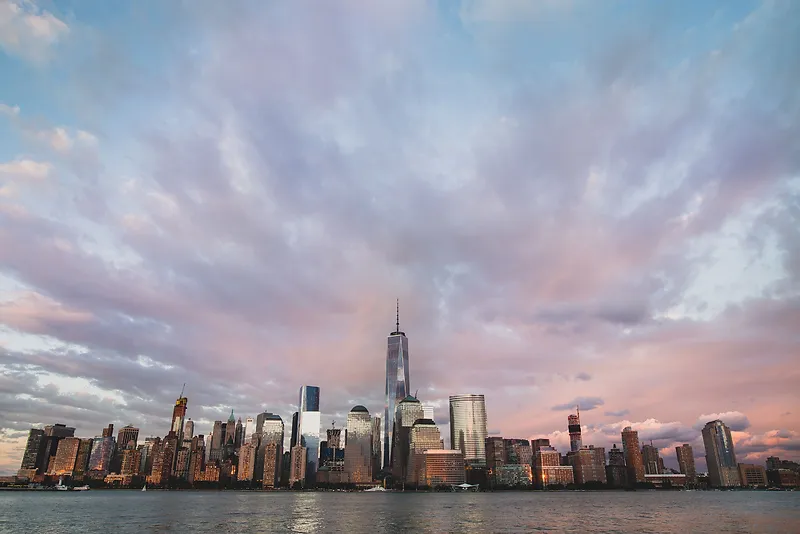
{"type": "Point", "coordinates": [308, 423]}
{"type": "Point", "coordinates": [397, 384]}
{"type": "Point", "coordinates": [468, 427]}
{"type": "Point", "coordinates": [720, 456]}
{"type": "Point", "coordinates": [358, 450]}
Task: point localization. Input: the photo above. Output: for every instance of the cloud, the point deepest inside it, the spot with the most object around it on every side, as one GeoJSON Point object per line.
{"type": "Point", "coordinates": [584, 403]}
{"type": "Point", "coordinates": [619, 413]}
{"type": "Point", "coordinates": [5, 109]}
{"type": "Point", "coordinates": [26, 168]}
{"type": "Point", "coordinates": [29, 31]}
{"type": "Point", "coordinates": [623, 211]}
{"type": "Point", "coordinates": [736, 421]}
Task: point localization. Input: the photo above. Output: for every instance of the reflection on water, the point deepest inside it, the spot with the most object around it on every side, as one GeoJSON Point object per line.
{"type": "Point", "coordinates": [353, 513]}
{"type": "Point", "coordinates": [306, 512]}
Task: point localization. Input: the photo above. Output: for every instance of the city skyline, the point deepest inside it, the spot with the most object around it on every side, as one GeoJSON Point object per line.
{"type": "Point", "coordinates": [578, 204]}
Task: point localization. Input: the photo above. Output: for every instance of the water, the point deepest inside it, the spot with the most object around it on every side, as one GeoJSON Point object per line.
{"type": "Point", "coordinates": [193, 512]}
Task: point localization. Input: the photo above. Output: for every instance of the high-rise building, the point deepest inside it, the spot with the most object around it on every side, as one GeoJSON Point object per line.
{"type": "Point", "coordinates": [358, 449]}
{"type": "Point", "coordinates": [651, 460]}
{"type": "Point", "coordinates": [408, 411]}
{"type": "Point", "coordinates": [443, 467]}
{"type": "Point", "coordinates": [495, 454]}
{"type": "Point", "coordinates": [720, 456]}
{"type": "Point", "coordinates": [53, 434]}
{"type": "Point", "coordinates": [427, 411]}
{"type": "Point", "coordinates": [518, 451]}
{"type": "Point", "coordinates": [66, 456]}
{"type": "Point", "coordinates": [229, 443]}
{"type": "Point", "coordinates": [377, 441]}
{"type": "Point", "coordinates": [308, 423]}
{"type": "Point", "coordinates": [539, 443]}
{"type": "Point", "coordinates": [178, 417]}
{"type": "Point", "coordinates": [468, 427]}
{"type": "Point", "coordinates": [633, 455]}
{"type": "Point", "coordinates": [239, 434]}
{"type": "Point", "coordinates": [131, 460]}
{"type": "Point", "coordinates": [127, 434]}
{"type": "Point", "coordinates": [398, 385]}
{"type": "Point", "coordinates": [295, 439]}
{"type": "Point", "coordinates": [34, 451]}
{"type": "Point", "coordinates": [616, 473]}
{"type": "Point", "coordinates": [188, 430]}
{"type": "Point", "coordinates": [249, 428]}
{"type": "Point", "coordinates": [574, 426]}
{"type": "Point", "coordinates": [588, 464]}
{"type": "Point", "coordinates": [100, 459]}
{"type": "Point", "coordinates": [425, 436]}
{"type": "Point", "coordinates": [82, 461]}
{"type": "Point", "coordinates": [217, 441]}
{"type": "Point", "coordinates": [685, 457]}
{"type": "Point", "coordinates": [271, 450]}
{"type": "Point", "coordinates": [108, 432]}
{"type": "Point", "coordinates": [247, 461]}
{"type": "Point", "coordinates": [548, 470]}
{"type": "Point", "coordinates": [297, 469]}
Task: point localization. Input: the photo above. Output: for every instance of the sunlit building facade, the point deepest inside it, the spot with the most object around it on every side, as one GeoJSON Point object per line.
{"type": "Point", "coordinates": [66, 457]}
{"type": "Point", "coordinates": [271, 450]}
{"type": "Point", "coordinates": [424, 436]}
{"type": "Point", "coordinates": [685, 456]}
{"type": "Point", "coordinates": [100, 459]}
{"type": "Point", "coordinates": [358, 449]}
{"type": "Point", "coordinates": [633, 455]}
{"type": "Point", "coordinates": [408, 411]}
{"type": "Point", "coordinates": [443, 467]}
{"type": "Point", "coordinates": [468, 427]}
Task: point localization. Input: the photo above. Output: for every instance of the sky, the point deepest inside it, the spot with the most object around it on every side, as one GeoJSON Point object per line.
{"type": "Point", "coordinates": [575, 202]}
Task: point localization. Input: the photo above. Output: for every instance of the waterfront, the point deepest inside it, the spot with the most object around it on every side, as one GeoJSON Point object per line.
{"type": "Point", "coordinates": [209, 511]}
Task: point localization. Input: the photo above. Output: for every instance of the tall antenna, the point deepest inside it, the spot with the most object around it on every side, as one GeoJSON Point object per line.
{"type": "Point", "coordinates": [415, 393]}
{"type": "Point", "coordinates": [397, 324]}
{"type": "Point", "coordinates": [184, 387]}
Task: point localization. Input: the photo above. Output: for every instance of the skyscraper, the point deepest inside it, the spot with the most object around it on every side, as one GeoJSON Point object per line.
{"type": "Point", "coordinates": [188, 430]}
{"type": "Point", "coordinates": [377, 441]}
{"type": "Point", "coordinates": [34, 451]}
{"type": "Point", "coordinates": [249, 428]}
{"type": "Point", "coordinates": [126, 434]}
{"type": "Point", "coordinates": [616, 474]}
{"type": "Point", "coordinates": [633, 455]}
{"type": "Point", "coordinates": [468, 427]}
{"type": "Point", "coordinates": [271, 450]}
{"type": "Point", "coordinates": [408, 411]}
{"type": "Point", "coordinates": [574, 426]}
{"type": "Point", "coordinates": [650, 459]}
{"type": "Point", "coordinates": [685, 456]}
{"type": "Point", "coordinates": [178, 416]}
{"type": "Point", "coordinates": [424, 436]}
{"type": "Point", "coordinates": [397, 383]}
{"type": "Point", "coordinates": [358, 449]}
{"type": "Point", "coordinates": [67, 455]}
{"type": "Point", "coordinates": [720, 456]}
{"type": "Point", "coordinates": [308, 423]}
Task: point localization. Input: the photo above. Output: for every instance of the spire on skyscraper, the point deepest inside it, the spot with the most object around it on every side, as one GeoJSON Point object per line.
{"type": "Point", "coordinates": [397, 323]}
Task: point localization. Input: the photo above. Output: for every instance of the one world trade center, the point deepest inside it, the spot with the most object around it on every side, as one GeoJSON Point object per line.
{"type": "Point", "coordinates": [397, 384]}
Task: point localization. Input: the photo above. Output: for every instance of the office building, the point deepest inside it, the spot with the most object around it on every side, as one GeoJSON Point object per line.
{"type": "Point", "coordinates": [188, 430]}
{"type": "Point", "coordinates": [66, 457]}
{"type": "Point", "coordinates": [398, 386]}
{"type": "Point", "coordinates": [408, 411]}
{"type": "Point", "coordinates": [297, 469]}
{"type": "Point", "coordinates": [588, 464]}
{"type": "Point", "coordinates": [377, 445]}
{"type": "Point", "coordinates": [424, 436]}
{"type": "Point", "coordinates": [271, 450]}
{"type": "Point", "coordinates": [443, 467]}
{"type": "Point", "coordinates": [34, 452]}
{"type": "Point", "coordinates": [127, 434]}
{"type": "Point", "coordinates": [720, 455]}
{"type": "Point", "coordinates": [101, 456]}
{"type": "Point", "coordinates": [468, 428]}
{"type": "Point", "coordinates": [308, 424]}
{"type": "Point", "coordinates": [517, 451]}
{"type": "Point", "coordinates": [358, 450]}
{"type": "Point", "coordinates": [633, 455]}
{"type": "Point", "coordinates": [82, 460]}
{"type": "Point", "coordinates": [247, 461]}
{"type": "Point", "coordinates": [685, 456]}
{"type": "Point", "coordinates": [249, 429]}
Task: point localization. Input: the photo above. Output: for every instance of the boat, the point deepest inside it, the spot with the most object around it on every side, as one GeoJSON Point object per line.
{"type": "Point", "coordinates": [85, 487]}
{"type": "Point", "coordinates": [60, 486]}
{"type": "Point", "coordinates": [376, 488]}
{"type": "Point", "coordinates": [144, 488]}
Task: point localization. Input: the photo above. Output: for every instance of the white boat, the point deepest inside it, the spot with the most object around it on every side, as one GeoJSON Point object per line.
{"type": "Point", "coordinates": [144, 488]}
{"type": "Point", "coordinates": [376, 488]}
{"type": "Point", "coordinates": [60, 486]}
{"type": "Point", "coordinates": [85, 487]}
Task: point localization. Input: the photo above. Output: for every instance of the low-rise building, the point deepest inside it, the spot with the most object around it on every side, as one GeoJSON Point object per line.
{"type": "Point", "coordinates": [753, 475]}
